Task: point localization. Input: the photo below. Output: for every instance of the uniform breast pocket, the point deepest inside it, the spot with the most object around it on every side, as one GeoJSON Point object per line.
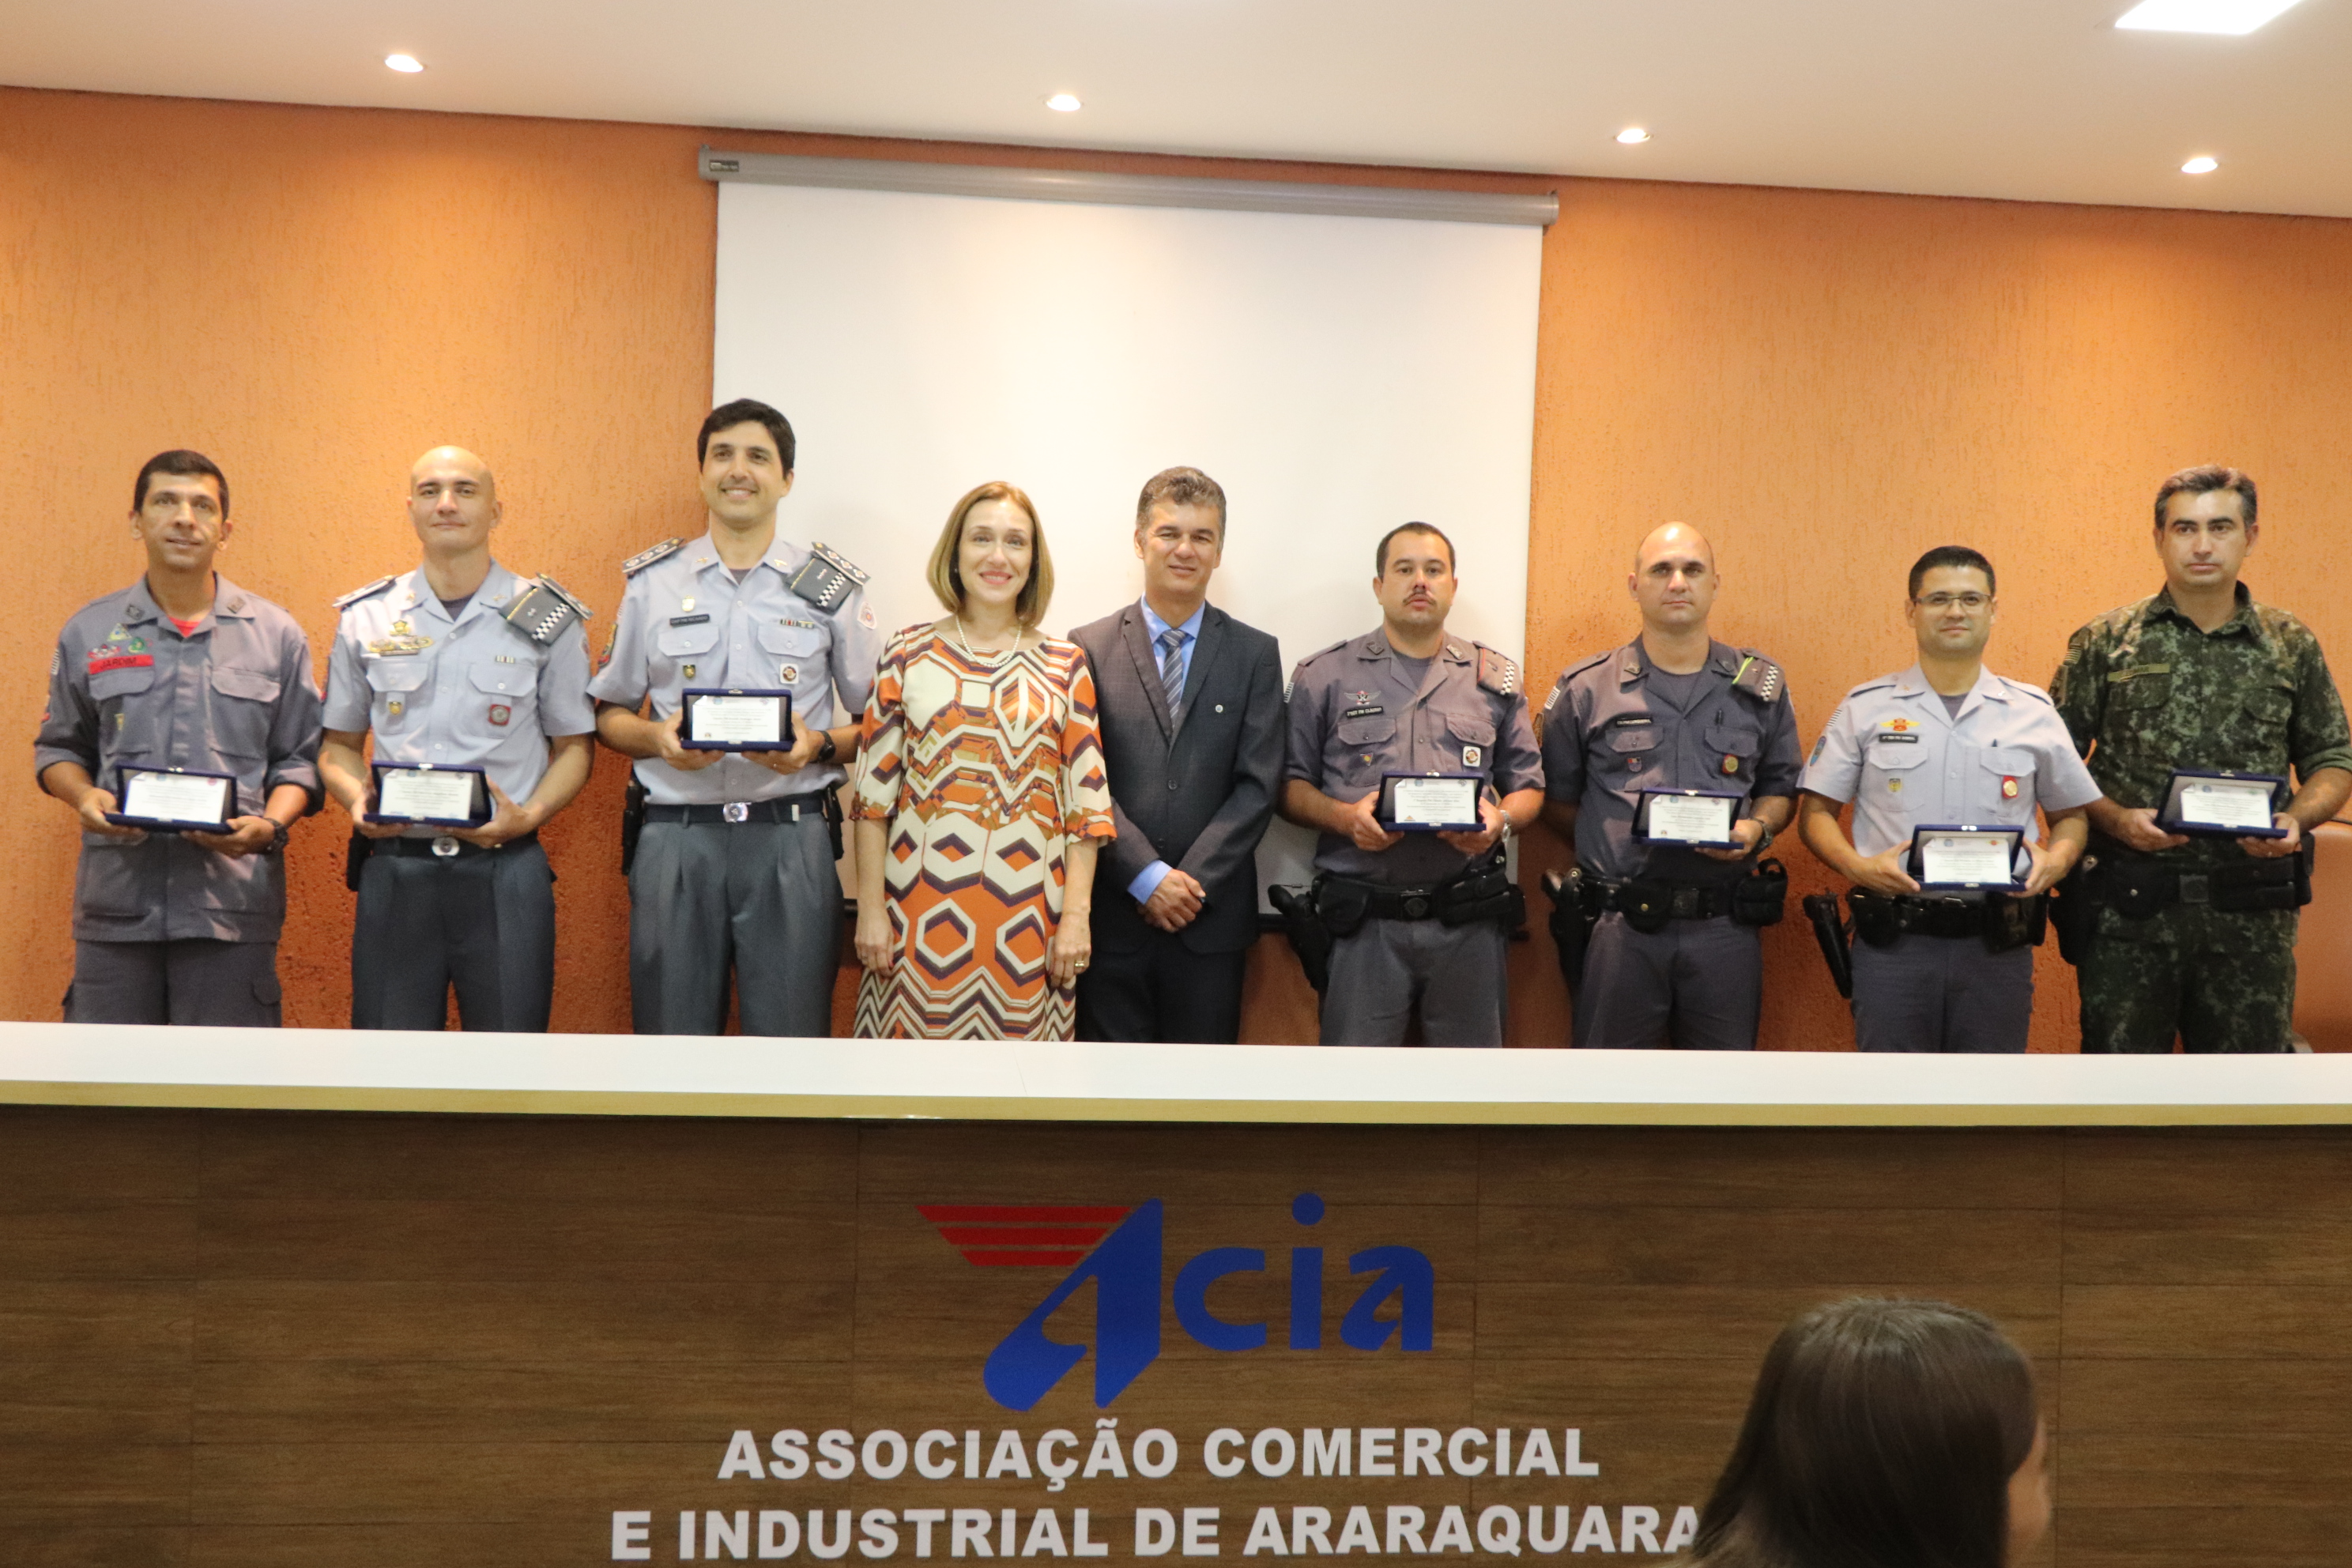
{"type": "Point", "coordinates": [1469, 740]}
{"type": "Point", "coordinates": [504, 700]}
{"type": "Point", "coordinates": [792, 641]}
{"type": "Point", "coordinates": [394, 683]}
{"type": "Point", "coordinates": [2262, 723]}
{"type": "Point", "coordinates": [1889, 769]}
{"type": "Point", "coordinates": [687, 642]}
{"type": "Point", "coordinates": [2003, 790]}
{"type": "Point", "coordinates": [245, 701]}
{"type": "Point", "coordinates": [115, 684]}
{"type": "Point", "coordinates": [1365, 747]}
{"type": "Point", "coordinates": [1733, 748]}
{"type": "Point", "coordinates": [2140, 693]}
{"type": "Point", "coordinates": [1628, 755]}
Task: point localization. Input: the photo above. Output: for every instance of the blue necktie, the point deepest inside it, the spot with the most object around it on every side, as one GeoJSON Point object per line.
{"type": "Point", "coordinates": [1172, 670]}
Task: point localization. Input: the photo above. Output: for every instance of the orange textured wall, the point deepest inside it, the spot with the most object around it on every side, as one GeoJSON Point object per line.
{"type": "Point", "coordinates": [1828, 384]}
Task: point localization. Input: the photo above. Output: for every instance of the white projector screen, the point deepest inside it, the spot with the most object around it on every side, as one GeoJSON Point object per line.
{"type": "Point", "coordinates": [1336, 376]}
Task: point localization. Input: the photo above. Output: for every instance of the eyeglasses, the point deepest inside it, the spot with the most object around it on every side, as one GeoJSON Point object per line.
{"type": "Point", "coordinates": [1939, 603]}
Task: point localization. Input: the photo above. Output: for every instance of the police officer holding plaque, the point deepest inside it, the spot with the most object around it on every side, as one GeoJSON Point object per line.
{"type": "Point", "coordinates": [1669, 763]}
{"type": "Point", "coordinates": [474, 683]}
{"type": "Point", "coordinates": [1412, 755]}
{"type": "Point", "coordinates": [756, 658]}
{"type": "Point", "coordinates": [2200, 710]}
{"type": "Point", "coordinates": [183, 732]}
{"type": "Point", "coordinates": [1945, 765]}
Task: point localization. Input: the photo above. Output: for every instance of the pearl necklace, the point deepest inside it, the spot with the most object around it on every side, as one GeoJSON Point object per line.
{"type": "Point", "coordinates": [994, 655]}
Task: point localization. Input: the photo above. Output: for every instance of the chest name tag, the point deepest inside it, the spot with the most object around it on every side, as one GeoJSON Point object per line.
{"type": "Point", "coordinates": [1363, 713]}
{"type": "Point", "coordinates": [100, 663]}
{"type": "Point", "coordinates": [1886, 738]}
{"type": "Point", "coordinates": [693, 620]}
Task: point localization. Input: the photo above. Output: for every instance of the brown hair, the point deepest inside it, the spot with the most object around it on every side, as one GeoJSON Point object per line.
{"type": "Point", "coordinates": [1181, 487]}
{"type": "Point", "coordinates": [947, 576]}
{"type": "Point", "coordinates": [1380, 550]}
{"type": "Point", "coordinates": [1881, 1433]}
{"type": "Point", "coordinates": [2207, 476]}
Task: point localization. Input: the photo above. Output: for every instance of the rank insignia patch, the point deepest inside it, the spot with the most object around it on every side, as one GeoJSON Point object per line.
{"type": "Point", "coordinates": [501, 713]}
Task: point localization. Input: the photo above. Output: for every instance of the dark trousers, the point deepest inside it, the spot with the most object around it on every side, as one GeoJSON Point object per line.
{"type": "Point", "coordinates": [1162, 993]}
{"type": "Point", "coordinates": [760, 899]}
{"type": "Point", "coordinates": [1694, 986]}
{"type": "Point", "coordinates": [1941, 993]}
{"type": "Point", "coordinates": [196, 980]}
{"type": "Point", "coordinates": [482, 922]}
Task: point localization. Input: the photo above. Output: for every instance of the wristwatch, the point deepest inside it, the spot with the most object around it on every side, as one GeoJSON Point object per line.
{"type": "Point", "coordinates": [279, 833]}
{"type": "Point", "coordinates": [1763, 843]}
{"type": "Point", "coordinates": [828, 752]}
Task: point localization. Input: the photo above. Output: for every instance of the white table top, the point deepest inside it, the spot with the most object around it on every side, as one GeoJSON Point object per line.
{"type": "Point", "coordinates": [625, 1075]}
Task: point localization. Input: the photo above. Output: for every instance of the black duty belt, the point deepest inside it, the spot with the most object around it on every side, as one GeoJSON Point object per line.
{"type": "Point", "coordinates": [1666, 900]}
{"type": "Point", "coordinates": [1948, 917]}
{"type": "Point", "coordinates": [445, 847]}
{"type": "Point", "coordinates": [788, 808]}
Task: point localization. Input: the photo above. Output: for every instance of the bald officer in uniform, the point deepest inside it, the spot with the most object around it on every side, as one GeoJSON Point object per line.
{"type": "Point", "coordinates": [459, 663]}
{"type": "Point", "coordinates": [1672, 709]}
{"type": "Point", "coordinates": [182, 670]}
{"type": "Point", "coordinates": [1418, 920]}
{"type": "Point", "coordinates": [735, 868]}
{"type": "Point", "coordinates": [1944, 744]}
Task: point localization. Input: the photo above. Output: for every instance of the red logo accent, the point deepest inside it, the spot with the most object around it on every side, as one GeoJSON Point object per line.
{"type": "Point", "coordinates": [1023, 1236]}
{"type": "Point", "coordinates": [501, 713]}
{"type": "Point", "coordinates": [121, 661]}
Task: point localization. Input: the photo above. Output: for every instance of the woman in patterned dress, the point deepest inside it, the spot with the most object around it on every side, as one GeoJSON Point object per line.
{"type": "Point", "coordinates": [980, 800]}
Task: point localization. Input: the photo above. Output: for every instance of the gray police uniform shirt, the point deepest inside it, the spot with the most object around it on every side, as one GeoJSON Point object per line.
{"type": "Point", "coordinates": [475, 692]}
{"type": "Point", "coordinates": [235, 696]}
{"type": "Point", "coordinates": [685, 622]}
{"type": "Point", "coordinates": [1608, 735]}
{"type": "Point", "coordinates": [1357, 713]}
{"type": "Point", "coordinates": [1905, 764]}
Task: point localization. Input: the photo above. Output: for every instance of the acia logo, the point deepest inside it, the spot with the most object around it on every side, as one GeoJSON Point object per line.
{"type": "Point", "coordinates": [1121, 1251]}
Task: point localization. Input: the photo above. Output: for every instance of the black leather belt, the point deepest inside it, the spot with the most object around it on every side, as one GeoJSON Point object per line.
{"type": "Point", "coordinates": [788, 808]}
{"type": "Point", "coordinates": [444, 847]}
{"type": "Point", "coordinates": [1672, 900]}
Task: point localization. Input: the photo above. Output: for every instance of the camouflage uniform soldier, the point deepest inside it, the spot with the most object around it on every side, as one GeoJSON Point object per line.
{"type": "Point", "coordinates": [2197, 936]}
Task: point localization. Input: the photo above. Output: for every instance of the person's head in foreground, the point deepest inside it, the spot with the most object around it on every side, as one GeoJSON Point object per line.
{"type": "Point", "coordinates": [1884, 1435]}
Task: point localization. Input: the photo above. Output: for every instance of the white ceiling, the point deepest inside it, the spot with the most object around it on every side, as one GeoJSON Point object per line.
{"type": "Point", "coordinates": [2032, 98]}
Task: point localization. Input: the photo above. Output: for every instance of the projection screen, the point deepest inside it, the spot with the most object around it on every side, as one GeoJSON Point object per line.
{"type": "Point", "coordinates": [1337, 374]}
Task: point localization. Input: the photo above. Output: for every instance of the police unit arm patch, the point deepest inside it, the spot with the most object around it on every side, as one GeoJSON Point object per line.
{"type": "Point", "coordinates": [371, 591]}
{"type": "Point", "coordinates": [643, 559]}
{"type": "Point", "coordinates": [1759, 678]}
{"type": "Point", "coordinates": [1497, 673]}
{"type": "Point", "coordinates": [826, 578]}
{"type": "Point", "coordinates": [542, 611]}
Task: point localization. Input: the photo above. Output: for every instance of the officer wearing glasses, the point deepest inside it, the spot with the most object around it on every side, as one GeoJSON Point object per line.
{"type": "Point", "coordinates": [1946, 743]}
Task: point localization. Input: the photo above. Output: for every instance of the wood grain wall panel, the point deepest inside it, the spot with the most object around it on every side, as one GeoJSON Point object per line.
{"type": "Point", "coordinates": [568, 1401]}
{"type": "Point", "coordinates": [2164, 1323]}
{"type": "Point", "coordinates": [1764, 1246]}
{"type": "Point", "coordinates": [65, 1238]}
{"type": "Point", "coordinates": [397, 1341]}
{"type": "Point", "coordinates": [465, 1320]}
{"type": "Point", "coordinates": [745, 1166]}
{"type": "Point", "coordinates": [1740, 1168]}
{"type": "Point", "coordinates": [2227, 1170]}
{"type": "Point", "coordinates": [53, 1153]}
{"type": "Point", "coordinates": [35, 1546]}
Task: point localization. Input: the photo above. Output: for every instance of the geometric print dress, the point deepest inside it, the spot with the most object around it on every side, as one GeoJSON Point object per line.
{"type": "Point", "coordinates": [983, 767]}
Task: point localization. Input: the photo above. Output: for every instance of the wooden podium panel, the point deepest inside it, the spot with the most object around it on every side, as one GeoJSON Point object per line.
{"type": "Point", "coordinates": [255, 1339]}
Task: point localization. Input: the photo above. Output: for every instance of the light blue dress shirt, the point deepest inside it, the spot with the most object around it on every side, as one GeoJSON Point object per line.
{"type": "Point", "coordinates": [1147, 881]}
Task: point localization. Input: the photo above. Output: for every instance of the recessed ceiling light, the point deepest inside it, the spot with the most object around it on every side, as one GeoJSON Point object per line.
{"type": "Point", "coordinates": [1063, 103]}
{"type": "Point", "coordinates": [2235, 18]}
{"type": "Point", "coordinates": [407, 64]}
{"type": "Point", "coordinates": [1632, 136]}
{"type": "Point", "coordinates": [2201, 165]}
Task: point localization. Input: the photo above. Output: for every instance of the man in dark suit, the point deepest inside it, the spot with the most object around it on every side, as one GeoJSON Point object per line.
{"type": "Point", "coordinates": [1191, 703]}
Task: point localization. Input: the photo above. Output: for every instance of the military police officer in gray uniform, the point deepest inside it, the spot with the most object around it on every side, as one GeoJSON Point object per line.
{"type": "Point", "coordinates": [1946, 743]}
{"type": "Point", "coordinates": [182, 670]}
{"type": "Point", "coordinates": [457, 664]}
{"type": "Point", "coordinates": [1673, 957]}
{"type": "Point", "coordinates": [735, 865]}
{"type": "Point", "coordinates": [1416, 920]}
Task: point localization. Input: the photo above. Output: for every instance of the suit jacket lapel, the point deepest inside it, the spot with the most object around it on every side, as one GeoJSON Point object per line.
{"type": "Point", "coordinates": [1205, 650]}
{"type": "Point", "coordinates": [1138, 639]}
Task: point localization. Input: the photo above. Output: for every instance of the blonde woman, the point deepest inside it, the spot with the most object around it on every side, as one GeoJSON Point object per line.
{"type": "Point", "coordinates": [981, 799]}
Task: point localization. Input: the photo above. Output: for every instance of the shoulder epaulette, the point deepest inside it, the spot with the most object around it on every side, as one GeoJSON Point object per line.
{"type": "Point", "coordinates": [1497, 672]}
{"type": "Point", "coordinates": [1758, 676]}
{"type": "Point", "coordinates": [371, 591]}
{"type": "Point", "coordinates": [541, 611]}
{"type": "Point", "coordinates": [645, 558]}
{"type": "Point", "coordinates": [1324, 652]}
{"type": "Point", "coordinates": [826, 579]}
{"type": "Point", "coordinates": [1581, 664]}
